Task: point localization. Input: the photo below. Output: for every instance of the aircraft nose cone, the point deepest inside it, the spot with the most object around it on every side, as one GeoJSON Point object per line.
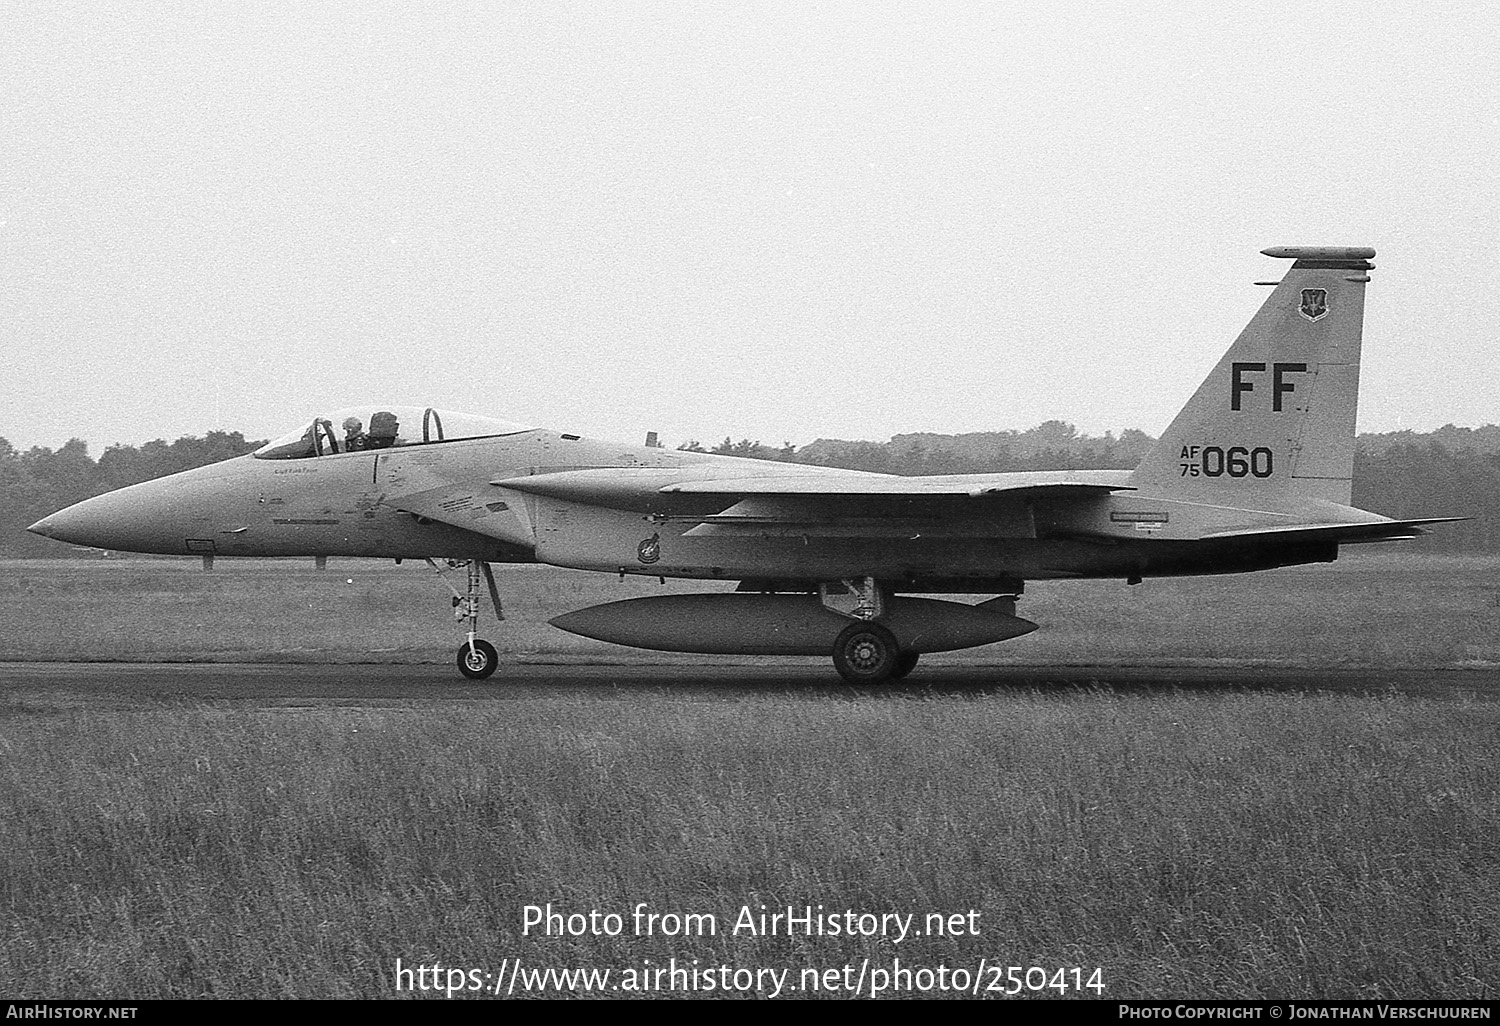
{"type": "Point", "coordinates": [44, 526]}
{"type": "Point", "coordinates": [159, 516]}
{"type": "Point", "coordinates": [83, 523]}
{"type": "Point", "coordinates": [135, 519]}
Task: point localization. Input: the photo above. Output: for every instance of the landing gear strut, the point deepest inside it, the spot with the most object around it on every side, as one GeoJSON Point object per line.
{"type": "Point", "coordinates": [477, 658]}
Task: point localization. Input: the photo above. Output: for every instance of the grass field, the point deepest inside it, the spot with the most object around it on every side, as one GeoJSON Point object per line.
{"type": "Point", "coordinates": [1237, 847]}
{"type": "Point", "coordinates": [1368, 609]}
{"type": "Point", "coordinates": [1229, 845]}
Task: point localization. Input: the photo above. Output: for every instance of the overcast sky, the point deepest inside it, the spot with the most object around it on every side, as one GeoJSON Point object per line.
{"type": "Point", "coordinates": [779, 221]}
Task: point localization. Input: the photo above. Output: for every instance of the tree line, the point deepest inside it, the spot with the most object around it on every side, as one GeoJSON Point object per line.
{"type": "Point", "coordinates": [1403, 474]}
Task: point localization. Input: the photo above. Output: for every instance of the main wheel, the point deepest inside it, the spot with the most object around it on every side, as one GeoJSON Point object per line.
{"type": "Point", "coordinates": [865, 653]}
{"type": "Point", "coordinates": [478, 663]}
{"type": "Point", "coordinates": [905, 664]}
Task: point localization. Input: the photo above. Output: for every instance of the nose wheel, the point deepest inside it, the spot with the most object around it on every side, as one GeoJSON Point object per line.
{"type": "Point", "coordinates": [477, 658]}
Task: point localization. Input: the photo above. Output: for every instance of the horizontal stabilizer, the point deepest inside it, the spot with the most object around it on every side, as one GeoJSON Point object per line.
{"type": "Point", "coordinates": [1382, 530]}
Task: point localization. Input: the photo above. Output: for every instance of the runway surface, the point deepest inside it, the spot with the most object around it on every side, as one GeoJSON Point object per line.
{"type": "Point", "coordinates": [151, 685]}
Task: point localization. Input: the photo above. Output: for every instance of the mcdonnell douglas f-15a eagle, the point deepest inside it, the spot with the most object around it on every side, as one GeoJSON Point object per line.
{"type": "Point", "coordinates": [1254, 473]}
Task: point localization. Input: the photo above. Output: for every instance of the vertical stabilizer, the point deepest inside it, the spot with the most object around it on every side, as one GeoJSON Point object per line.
{"type": "Point", "coordinates": [1276, 415]}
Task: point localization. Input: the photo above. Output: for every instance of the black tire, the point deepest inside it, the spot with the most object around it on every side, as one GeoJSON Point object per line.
{"type": "Point", "coordinates": [905, 664]}
{"type": "Point", "coordinates": [480, 663]}
{"type": "Point", "coordinates": [865, 653]}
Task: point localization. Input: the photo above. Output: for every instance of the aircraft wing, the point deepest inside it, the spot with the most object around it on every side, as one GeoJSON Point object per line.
{"type": "Point", "coordinates": [725, 501]}
{"type": "Point", "coordinates": [632, 488]}
{"type": "Point", "coordinates": [980, 486]}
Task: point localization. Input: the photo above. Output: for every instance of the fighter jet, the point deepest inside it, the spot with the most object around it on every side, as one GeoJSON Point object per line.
{"type": "Point", "coordinates": [1254, 473]}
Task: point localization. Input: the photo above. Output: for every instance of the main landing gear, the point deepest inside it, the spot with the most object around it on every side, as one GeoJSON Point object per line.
{"type": "Point", "coordinates": [477, 658]}
{"type": "Point", "coordinates": [865, 652]}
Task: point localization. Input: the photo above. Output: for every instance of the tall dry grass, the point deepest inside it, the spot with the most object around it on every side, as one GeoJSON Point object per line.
{"type": "Point", "coordinates": [1230, 847]}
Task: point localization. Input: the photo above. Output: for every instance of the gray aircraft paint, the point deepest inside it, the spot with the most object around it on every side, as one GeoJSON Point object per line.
{"type": "Point", "coordinates": [1253, 473]}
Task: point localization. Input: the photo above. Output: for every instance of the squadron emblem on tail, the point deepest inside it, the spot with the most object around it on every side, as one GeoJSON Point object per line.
{"type": "Point", "coordinates": [1314, 303]}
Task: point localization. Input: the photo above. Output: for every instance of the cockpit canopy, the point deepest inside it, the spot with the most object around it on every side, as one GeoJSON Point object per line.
{"type": "Point", "coordinates": [365, 428]}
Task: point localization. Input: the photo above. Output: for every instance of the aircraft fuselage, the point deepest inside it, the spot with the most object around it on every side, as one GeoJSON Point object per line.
{"type": "Point", "coordinates": [351, 504]}
{"type": "Point", "coordinates": [1254, 472]}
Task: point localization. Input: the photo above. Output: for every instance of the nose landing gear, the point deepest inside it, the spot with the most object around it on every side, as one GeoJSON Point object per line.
{"type": "Point", "coordinates": [477, 658]}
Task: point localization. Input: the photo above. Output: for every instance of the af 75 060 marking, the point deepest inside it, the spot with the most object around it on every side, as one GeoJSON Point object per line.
{"type": "Point", "coordinates": [1236, 461]}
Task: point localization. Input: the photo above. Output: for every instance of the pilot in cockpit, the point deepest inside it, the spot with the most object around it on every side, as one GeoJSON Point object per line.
{"type": "Point", "coordinates": [354, 435]}
{"type": "Point", "coordinates": [383, 428]}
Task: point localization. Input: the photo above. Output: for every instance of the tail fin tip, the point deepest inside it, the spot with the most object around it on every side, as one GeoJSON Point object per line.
{"type": "Point", "coordinates": [1349, 258]}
